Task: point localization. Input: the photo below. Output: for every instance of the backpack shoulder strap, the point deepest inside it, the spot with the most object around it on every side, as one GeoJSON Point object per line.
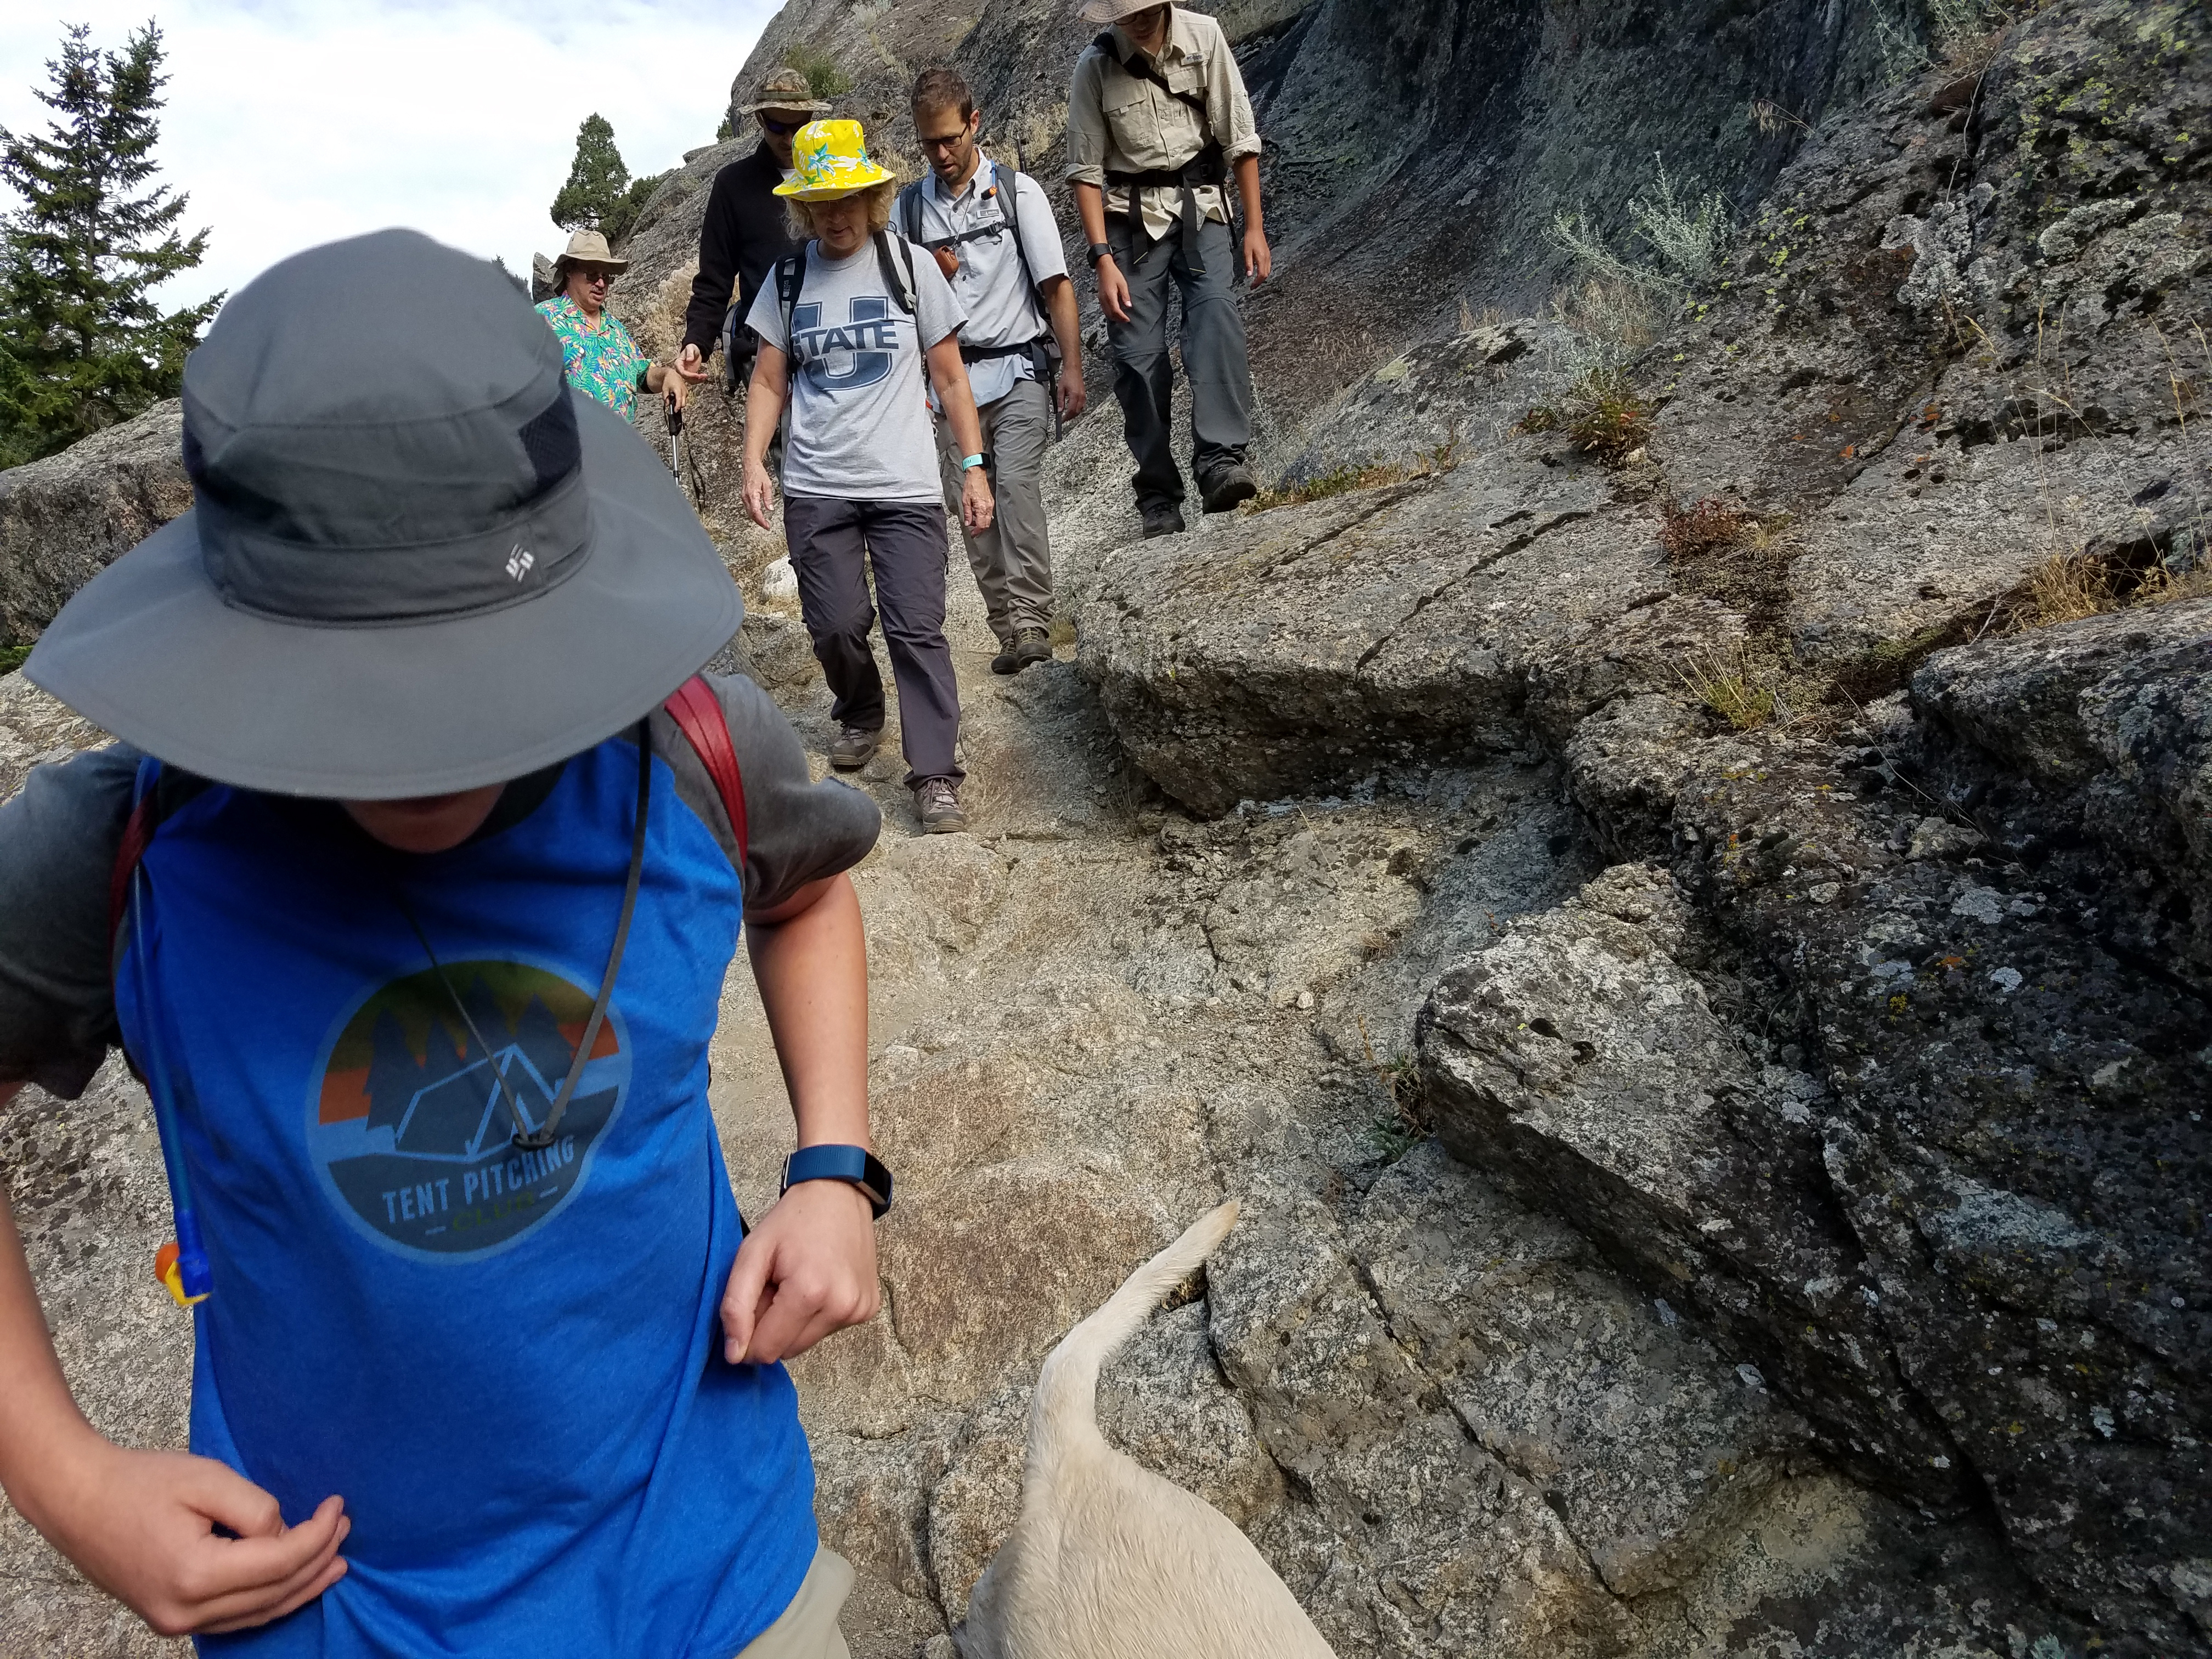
{"type": "Point", "coordinates": [909, 212]}
{"type": "Point", "coordinates": [790, 278]}
{"type": "Point", "coordinates": [1143, 68]}
{"type": "Point", "coordinates": [158, 792]}
{"type": "Point", "coordinates": [699, 716]}
{"type": "Point", "coordinates": [1008, 187]}
{"type": "Point", "coordinates": [898, 268]}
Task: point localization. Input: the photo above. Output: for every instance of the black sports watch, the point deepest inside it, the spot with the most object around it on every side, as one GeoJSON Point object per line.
{"type": "Point", "coordinates": [855, 1165]}
{"type": "Point", "coordinates": [1100, 251]}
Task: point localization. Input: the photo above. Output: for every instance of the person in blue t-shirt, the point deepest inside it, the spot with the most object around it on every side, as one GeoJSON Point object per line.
{"type": "Point", "coordinates": [410, 888]}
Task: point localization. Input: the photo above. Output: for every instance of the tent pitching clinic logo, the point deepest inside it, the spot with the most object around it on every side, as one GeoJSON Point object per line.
{"type": "Point", "coordinates": [413, 1130]}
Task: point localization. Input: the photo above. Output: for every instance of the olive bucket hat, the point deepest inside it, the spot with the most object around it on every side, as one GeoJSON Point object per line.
{"type": "Point", "coordinates": [415, 563]}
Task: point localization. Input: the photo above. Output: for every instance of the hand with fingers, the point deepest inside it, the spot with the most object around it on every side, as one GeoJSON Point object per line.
{"type": "Point", "coordinates": [1113, 290]}
{"type": "Point", "coordinates": [807, 1269]}
{"type": "Point", "coordinates": [691, 364]}
{"type": "Point", "coordinates": [759, 492]}
{"type": "Point", "coordinates": [141, 1526]}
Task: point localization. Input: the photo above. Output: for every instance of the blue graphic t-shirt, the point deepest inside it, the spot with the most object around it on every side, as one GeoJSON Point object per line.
{"type": "Point", "coordinates": [506, 1362]}
{"type": "Point", "coordinates": [860, 390]}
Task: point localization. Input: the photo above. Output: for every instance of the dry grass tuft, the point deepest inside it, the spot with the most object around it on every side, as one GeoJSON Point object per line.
{"type": "Point", "coordinates": [1729, 684]}
{"type": "Point", "coordinates": [1424, 464]}
{"type": "Point", "coordinates": [1706, 526]}
{"type": "Point", "coordinates": [2066, 588]}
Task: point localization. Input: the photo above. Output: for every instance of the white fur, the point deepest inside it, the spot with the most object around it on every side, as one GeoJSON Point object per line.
{"type": "Point", "coordinates": [1107, 1560]}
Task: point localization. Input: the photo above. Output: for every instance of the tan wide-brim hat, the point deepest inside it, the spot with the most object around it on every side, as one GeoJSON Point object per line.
{"type": "Point", "coordinates": [586, 247]}
{"type": "Point", "coordinates": [785, 89]}
{"type": "Point", "coordinates": [1112, 11]}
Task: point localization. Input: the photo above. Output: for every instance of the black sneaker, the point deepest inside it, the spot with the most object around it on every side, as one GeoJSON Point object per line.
{"type": "Point", "coordinates": [854, 747]}
{"type": "Point", "coordinates": [1031, 645]}
{"type": "Point", "coordinates": [1009, 659]}
{"type": "Point", "coordinates": [1165, 519]}
{"type": "Point", "coordinates": [1231, 487]}
{"type": "Point", "coordinates": [937, 803]}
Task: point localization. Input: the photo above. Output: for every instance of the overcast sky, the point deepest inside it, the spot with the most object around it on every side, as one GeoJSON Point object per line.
{"type": "Point", "coordinates": [292, 122]}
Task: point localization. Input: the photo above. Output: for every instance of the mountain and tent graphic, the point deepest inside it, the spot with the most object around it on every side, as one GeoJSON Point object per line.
{"type": "Point", "coordinates": [414, 1128]}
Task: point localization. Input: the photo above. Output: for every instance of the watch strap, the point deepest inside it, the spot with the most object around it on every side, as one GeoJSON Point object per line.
{"type": "Point", "coordinates": [855, 1165]}
{"type": "Point", "coordinates": [1101, 251]}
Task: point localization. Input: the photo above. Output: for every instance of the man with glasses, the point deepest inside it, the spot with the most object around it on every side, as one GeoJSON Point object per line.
{"type": "Point", "coordinates": [746, 232]}
{"type": "Point", "coordinates": [994, 236]}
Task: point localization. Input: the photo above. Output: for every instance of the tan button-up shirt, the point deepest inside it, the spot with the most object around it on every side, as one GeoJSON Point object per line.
{"type": "Point", "coordinates": [1122, 123]}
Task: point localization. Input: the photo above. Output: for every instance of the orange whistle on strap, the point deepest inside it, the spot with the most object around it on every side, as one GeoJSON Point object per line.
{"type": "Point", "coordinates": [165, 1269]}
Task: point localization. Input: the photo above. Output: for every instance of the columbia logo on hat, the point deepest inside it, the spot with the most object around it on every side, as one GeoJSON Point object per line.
{"type": "Point", "coordinates": [518, 562]}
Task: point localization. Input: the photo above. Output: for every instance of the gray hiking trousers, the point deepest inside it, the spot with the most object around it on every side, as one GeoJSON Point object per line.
{"type": "Point", "coordinates": [1213, 357]}
{"type": "Point", "coordinates": [836, 546]}
{"type": "Point", "coordinates": [1012, 560]}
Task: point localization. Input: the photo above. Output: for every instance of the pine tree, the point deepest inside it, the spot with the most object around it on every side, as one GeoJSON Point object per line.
{"type": "Point", "coordinates": [597, 181]}
{"type": "Point", "coordinates": [83, 344]}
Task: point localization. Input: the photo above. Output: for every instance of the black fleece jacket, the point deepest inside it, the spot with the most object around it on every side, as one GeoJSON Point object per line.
{"type": "Point", "coordinates": [744, 234]}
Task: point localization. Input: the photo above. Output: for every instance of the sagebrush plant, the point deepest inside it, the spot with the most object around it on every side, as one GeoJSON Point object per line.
{"type": "Point", "coordinates": [1687, 234]}
{"type": "Point", "coordinates": [823, 78]}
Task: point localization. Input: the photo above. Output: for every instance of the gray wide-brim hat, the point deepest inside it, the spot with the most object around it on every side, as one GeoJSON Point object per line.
{"type": "Point", "coordinates": [417, 563]}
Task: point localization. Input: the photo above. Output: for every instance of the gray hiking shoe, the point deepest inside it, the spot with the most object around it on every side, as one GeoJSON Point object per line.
{"type": "Point", "coordinates": [854, 746]}
{"type": "Point", "coordinates": [938, 805]}
{"type": "Point", "coordinates": [1009, 659]}
{"type": "Point", "coordinates": [1031, 645]}
{"type": "Point", "coordinates": [1231, 486]}
{"type": "Point", "coordinates": [1164, 519]}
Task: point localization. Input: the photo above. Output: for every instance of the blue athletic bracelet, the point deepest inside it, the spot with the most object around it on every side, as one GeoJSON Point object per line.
{"type": "Point", "coordinates": [967, 461]}
{"type": "Point", "coordinates": [855, 1165]}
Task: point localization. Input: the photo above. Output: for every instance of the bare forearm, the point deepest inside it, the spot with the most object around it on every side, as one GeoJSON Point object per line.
{"type": "Point", "coordinates": [1091, 209]}
{"type": "Point", "coordinates": [1067, 333]}
{"type": "Point", "coordinates": [1248, 192]}
{"type": "Point", "coordinates": [764, 396]}
{"type": "Point", "coordinates": [39, 1420]}
{"type": "Point", "coordinates": [957, 397]}
{"type": "Point", "coordinates": [811, 967]}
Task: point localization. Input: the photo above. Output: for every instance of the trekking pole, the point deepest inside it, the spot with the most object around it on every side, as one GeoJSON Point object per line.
{"type": "Point", "coordinates": [675, 440]}
{"type": "Point", "coordinates": [181, 1265]}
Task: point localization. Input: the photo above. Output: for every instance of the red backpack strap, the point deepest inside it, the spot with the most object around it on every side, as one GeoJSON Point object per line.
{"type": "Point", "coordinates": [699, 716]}
{"type": "Point", "coordinates": [138, 830]}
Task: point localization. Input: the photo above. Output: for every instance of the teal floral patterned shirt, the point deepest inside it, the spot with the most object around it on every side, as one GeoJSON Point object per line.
{"type": "Point", "coordinates": [602, 362]}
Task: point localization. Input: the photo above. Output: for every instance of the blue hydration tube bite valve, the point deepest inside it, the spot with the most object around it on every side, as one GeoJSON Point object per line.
{"type": "Point", "coordinates": [181, 1265]}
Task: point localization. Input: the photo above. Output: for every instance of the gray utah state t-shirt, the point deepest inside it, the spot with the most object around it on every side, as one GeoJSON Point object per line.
{"type": "Point", "coordinates": [860, 406]}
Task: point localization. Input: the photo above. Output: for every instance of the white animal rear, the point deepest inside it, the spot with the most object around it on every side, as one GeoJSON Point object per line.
{"type": "Point", "coordinates": [1107, 1560]}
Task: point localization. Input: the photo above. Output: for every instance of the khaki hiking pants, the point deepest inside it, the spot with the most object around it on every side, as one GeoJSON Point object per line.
{"type": "Point", "coordinates": [808, 1628]}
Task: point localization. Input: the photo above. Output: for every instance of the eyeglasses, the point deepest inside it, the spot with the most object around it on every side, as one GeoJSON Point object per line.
{"type": "Point", "coordinates": [594, 276]}
{"type": "Point", "coordinates": [946, 142]}
{"type": "Point", "coordinates": [781, 129]}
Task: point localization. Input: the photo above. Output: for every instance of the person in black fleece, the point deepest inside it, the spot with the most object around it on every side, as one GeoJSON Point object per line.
{"type": "Point", "coordinates": [746, 232]}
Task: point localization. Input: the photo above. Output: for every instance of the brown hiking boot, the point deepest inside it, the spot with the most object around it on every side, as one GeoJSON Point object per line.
{"type": "Point", "coordinates": [937, 803]}
{"type": "Point", "coordinates": [1031, 645]}
{"type": "Point", "coordinates": [854, 747]}
{"type": "Point", "coordinates": [1009, 659]}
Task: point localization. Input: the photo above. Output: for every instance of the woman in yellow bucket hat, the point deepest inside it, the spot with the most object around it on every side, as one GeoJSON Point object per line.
{"type": "Point", "coordinates": [860, 320]}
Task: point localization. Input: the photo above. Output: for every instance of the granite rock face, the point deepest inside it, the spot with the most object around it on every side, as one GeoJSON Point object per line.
{"type": "Point", "coordinates": [65, 518]}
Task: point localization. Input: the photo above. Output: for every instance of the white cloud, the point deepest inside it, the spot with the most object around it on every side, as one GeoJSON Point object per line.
{"type": "Point", "coordinates": [299, 121]}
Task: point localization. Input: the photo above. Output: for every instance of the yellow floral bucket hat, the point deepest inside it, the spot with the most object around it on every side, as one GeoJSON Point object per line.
{"type": "Point", "coordinates": [830, 159]}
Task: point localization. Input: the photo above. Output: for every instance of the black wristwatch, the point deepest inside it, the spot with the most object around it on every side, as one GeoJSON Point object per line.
{"type": "Point", "coordinates": [1100, 251]}
{"type": "Point", "coordinates": [855, 1165]}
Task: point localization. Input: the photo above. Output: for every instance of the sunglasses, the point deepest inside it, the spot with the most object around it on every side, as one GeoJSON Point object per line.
{"type": "Point", "coordinates": [781, 129]}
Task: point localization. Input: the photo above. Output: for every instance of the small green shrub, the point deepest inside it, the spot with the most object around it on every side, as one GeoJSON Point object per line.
{"type": "Point", "coordinates": [823, 78]}
{"type": "Point", "coordinates": [11, 657]}
{"type": "Point", "coordinates": [1604, 417]}
{"type": "Point", "coordinates": [1706, 526]}
{"type": "Point", "coordinates": [1729, 685]}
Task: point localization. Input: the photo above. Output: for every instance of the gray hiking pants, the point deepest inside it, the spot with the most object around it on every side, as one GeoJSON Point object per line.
{"type": "Point", "coordinates": [835, 545]}
{"type": "Point", "coordinates": [1012, 560]}
{"type": "Point", "coordinates": [1214, 357]}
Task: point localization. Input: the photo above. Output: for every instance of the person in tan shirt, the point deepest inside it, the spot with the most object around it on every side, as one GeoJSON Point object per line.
{"type": "Point", "coordinates": [1158, 121]}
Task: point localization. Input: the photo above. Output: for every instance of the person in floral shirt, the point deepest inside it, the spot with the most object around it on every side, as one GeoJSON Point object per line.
{"type": "Point", "coordinates": [599, 354]}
